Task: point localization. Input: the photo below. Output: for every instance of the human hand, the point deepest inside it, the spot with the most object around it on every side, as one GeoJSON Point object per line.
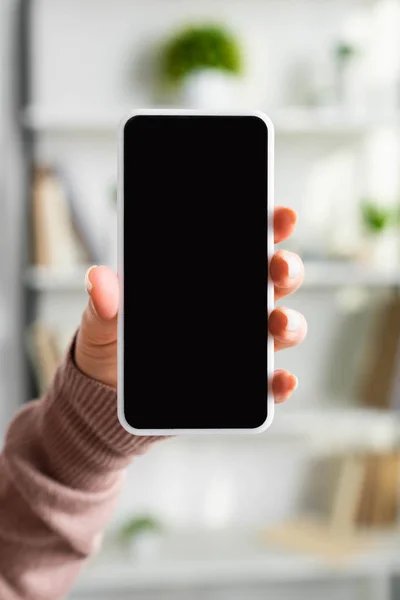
{"type": "Point", "coordinates": [96, 344]}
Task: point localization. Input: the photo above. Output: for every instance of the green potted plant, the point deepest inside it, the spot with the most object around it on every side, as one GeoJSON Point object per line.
{"type": "Point", "coordinates": [140, 536]}
{"type": "Point", "coordinates": [202, 64]}
{"type": "Point", "coordinates": [376, 218]}
{"type": "Point", "coordinates": [381, 226]}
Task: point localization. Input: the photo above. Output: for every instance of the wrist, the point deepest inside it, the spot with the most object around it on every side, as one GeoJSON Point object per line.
{"type": "Point", "coordinates": [81, 431]}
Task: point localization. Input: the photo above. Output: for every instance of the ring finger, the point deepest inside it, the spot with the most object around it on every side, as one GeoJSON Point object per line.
{"type": "Point", "coordinates": [288, 327]}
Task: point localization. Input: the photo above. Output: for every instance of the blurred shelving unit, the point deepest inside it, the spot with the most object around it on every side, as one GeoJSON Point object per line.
{"type": "Point", "coordinates": [290, 121]}
{"type": "Point", "coordinates": [53, 121]}
{"type": "Point", "coordinates": [318, 274]}
{"type": "Point", "coordinates": [328, 423]}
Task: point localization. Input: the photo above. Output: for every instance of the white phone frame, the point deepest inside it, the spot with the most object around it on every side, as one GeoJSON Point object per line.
{"type": "Point", "coordinates": [270, 250]}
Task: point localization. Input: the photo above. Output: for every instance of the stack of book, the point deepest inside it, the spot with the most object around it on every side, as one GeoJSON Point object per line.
{"type": "Point", "coordinates": [366, 493]}
{"type": "Point", "coordinates": [380, 379]}
{"type": "Point", "coordinates": [363, 497]}
{"type": "Point", "coordinates": [47, 346]}
{"type": "Point", "coordinates": [378, 497]}
{"type": "Point", "coordinates": [63, 238]}
{"type": "Point", "coordinates": [63, 235]}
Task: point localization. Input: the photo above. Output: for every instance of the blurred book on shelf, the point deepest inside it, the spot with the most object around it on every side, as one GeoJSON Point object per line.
{"type": "Point", "coordinates": [395, 384]}
{"type": "Point", "coordinates": [366, 491]}
{"type": "Point", "coordinates": [379, 498]}
{"type": "Point", "coordinates": [313, 536]}
{"type": "Point", "coordinates": [61, 229]}
{"type": "Point", "coordinates": [89, 236]}
{"type": "Point", "coordinates": [347, 491]}
{"type": "Point", "coordinates": [47, 346]}
{"type": "Point", "coordinates": [364, 500]}
{"type": "Point", "coordinates": [380, 378]}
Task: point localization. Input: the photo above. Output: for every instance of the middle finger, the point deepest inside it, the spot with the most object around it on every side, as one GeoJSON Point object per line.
{"type": "Point", "coordinates": [287, 273]}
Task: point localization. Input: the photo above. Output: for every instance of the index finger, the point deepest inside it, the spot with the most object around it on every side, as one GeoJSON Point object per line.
{"type": "Point", "coordinates": [284, 223]}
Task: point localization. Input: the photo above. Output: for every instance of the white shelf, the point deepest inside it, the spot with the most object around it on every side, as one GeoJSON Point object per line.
{"type": "Point", "coordinates": [357, 427]}
{"type": "Point", "coordinates": [251, 564]}
{"type": "Point", "coordinates": [341, 273]}
{"type": "Point", "coordinates": [49, 120]}
{"type": "Point", "coordinates": [322, 426]}
{"type": "Point", "coordinates": [45, 279]}
{"type": "Point", "coordinates": [290, 121]}
{"type": "Point", "coordinates": [331, 122]}
{"type": "Point", "coordinates": [320, 274]}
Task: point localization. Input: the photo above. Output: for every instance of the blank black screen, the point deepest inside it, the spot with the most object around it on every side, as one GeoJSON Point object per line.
{"type": "Point", "coordinates": [195, 272]}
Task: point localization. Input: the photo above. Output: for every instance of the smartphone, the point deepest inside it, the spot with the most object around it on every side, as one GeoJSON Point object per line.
{"type": "Point", "coordinates": [195, 229]}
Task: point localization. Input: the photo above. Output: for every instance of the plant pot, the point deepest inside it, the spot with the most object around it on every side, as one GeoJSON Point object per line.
{"type": "Point", "coordinates": [145, 546]}
{"type": "Point", "coordinates": [351, 88]}
{"type": "Point", "coordinates": [383, 250]}
{"type": "Point", "coordinates": [210, 89]}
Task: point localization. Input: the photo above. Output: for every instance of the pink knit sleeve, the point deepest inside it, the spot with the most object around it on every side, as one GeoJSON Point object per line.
{"type": "Point", "coordinates": [60, 473]}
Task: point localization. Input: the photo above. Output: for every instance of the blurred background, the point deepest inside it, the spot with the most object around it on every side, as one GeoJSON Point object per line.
{"type": "Point", "coordinates": [310, 508]}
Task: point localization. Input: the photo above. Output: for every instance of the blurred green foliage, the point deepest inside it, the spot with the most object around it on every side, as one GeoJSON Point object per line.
{"type": "Point", "coordinates": [344, 52]}
{"type": "Point", "coordinates": [201, 47]}
{"type": "Point", "coordinates": [377, 218]}
{"type": "Point", "coordinates": [136, 526]}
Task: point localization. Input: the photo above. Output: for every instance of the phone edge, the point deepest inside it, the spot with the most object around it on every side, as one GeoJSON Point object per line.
{"type": "Point", "coordinates": [120, 243]}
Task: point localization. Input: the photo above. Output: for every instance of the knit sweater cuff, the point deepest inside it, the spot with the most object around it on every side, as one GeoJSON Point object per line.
{"type": "Point", "coordinates": [83, 436]}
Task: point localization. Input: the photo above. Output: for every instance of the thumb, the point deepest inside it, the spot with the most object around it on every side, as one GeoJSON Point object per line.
{"type": "Point", "coordinates": [100, 317]}
{"type": "Point", "coordinates": [96, 344]}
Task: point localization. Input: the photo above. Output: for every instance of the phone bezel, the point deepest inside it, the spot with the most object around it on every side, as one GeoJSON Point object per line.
{"type": "Point", "coordinates": [270, 249]}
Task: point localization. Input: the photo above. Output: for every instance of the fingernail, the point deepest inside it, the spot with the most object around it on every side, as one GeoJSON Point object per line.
{"type": "Point", "coordinates": [293, 320]}
{"type": "Point", "coordinates": [88, 283]}
{"type": "Point", "coordinates": [294, 265]}
{"type": "Point", "coordinates": [296, 384]}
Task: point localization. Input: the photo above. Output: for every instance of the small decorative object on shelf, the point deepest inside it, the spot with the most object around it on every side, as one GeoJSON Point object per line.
{"type": "Point", "coordinates": [141, 536]}
{"type": "Point", "coordinates": [382, 227]}
{"type": "Point", "coordinates": [202, 64]}
{"type": "Point", "coordinates": [322, 94]}
{"type": "Point", "coordinates": [350, 80]}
